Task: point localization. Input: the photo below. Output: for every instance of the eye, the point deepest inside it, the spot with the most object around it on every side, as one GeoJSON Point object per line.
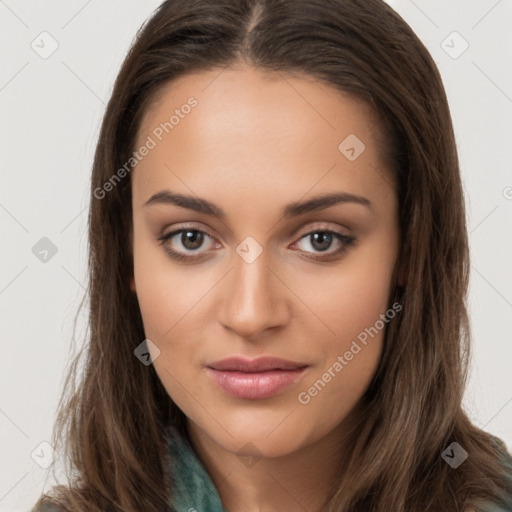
{"type": "Point", "coordinates": [322, 240]}
{"type": "Point", "coordinates": [184, 244]}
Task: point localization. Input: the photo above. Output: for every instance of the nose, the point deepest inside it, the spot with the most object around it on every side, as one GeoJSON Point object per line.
{"type": "Point", "coordinates": [254, 299]}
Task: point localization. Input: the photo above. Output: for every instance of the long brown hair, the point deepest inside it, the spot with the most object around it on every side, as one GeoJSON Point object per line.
{"type": "Point", "coordinates": [114, 410]}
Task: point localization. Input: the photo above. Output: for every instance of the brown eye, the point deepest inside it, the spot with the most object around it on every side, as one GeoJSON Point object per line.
{"type": "Point", "coordinates": [184, 244]}
{"type": "Point", "coordinates": [321, 241]}
{"type": "Point", "coordinates": [192, 239]}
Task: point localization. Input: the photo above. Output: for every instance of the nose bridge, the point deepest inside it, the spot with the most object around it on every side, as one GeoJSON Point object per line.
{"type": "Point", "coordinates": [254, 299]}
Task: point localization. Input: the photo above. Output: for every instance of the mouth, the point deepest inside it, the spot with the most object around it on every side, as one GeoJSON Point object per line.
{"type": "Point", "coordinates": [255, 379]}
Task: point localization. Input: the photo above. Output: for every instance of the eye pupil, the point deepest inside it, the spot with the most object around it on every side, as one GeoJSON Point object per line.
{"type": "Point", "coordinates": [321, 240]}
{"type": "Point", "coordinates": [192, 239]}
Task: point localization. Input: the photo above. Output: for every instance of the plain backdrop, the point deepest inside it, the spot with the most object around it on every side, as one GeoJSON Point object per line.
{"type": "Point", "coordinates": [52, 107]}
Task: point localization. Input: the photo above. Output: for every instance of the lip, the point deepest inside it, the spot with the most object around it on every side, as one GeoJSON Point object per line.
{"type": "Point", "coordinates": [257, 378]}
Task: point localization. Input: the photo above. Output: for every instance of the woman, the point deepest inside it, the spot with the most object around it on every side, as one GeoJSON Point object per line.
{"type": "Point", "coordinates": [299, 350]}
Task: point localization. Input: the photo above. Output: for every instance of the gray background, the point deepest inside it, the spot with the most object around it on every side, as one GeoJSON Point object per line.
{"type": "Point", "coordinates": [51, 112]}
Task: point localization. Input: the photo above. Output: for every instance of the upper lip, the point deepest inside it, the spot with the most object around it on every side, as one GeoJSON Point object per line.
{"type": "Point", "coordinates": [261, 364]}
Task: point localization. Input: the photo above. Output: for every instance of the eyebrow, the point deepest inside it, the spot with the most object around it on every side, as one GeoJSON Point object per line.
{"type": "Point", "coordinates": [293, 209]}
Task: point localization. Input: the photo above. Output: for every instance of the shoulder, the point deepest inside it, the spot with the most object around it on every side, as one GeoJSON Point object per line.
{"type": "Point", "coordinates": [505, 504]}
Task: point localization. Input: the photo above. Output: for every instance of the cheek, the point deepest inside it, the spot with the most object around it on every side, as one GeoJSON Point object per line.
{"type": "Point", "coordinates": [167, 306]}
{"type": "Point", "coordinates": [349, 359]}
{"type": "Point", "coordinates": [170, 300]}
{"type": "Point", "coordinates": [166, 293]}
{"type": "Point", "coordinates": [348, 298]}
{"type": "Point", "coordinates": [353, 303]}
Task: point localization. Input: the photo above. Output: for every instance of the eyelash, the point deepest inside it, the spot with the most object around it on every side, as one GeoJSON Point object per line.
{"type": "Point", "coordinates": [347, 242]}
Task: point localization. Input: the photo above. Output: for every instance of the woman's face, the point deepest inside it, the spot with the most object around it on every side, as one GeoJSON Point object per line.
{"type": "Point", "coordinates": [230, 158]}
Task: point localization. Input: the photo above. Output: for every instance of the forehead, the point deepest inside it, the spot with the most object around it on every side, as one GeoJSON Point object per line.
{"type": "Point", "coordinates": [252, 132]}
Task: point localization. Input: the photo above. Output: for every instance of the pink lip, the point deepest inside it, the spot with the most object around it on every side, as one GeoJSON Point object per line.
{"type": "Point", "coordinates": [255, 379]}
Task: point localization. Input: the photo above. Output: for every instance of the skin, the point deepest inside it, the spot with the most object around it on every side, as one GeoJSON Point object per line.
{"type": "Point", "coordinates": [255, 143]}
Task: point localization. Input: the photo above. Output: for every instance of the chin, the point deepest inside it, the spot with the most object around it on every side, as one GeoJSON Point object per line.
{"type": "Point", "coordinates": [257, 436]}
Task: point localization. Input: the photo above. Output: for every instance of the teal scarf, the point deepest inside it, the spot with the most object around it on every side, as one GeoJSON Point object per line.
{"type": "Point", "coordinates": [193, 489]}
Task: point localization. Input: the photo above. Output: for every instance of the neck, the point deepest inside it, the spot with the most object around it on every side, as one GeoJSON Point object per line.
{"type": "Point", "coordinates": [298, 481]}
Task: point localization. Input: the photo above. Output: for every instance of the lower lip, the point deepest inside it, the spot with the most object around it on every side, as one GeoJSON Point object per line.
{"type": "Point", "coordinates": [255, 386]}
